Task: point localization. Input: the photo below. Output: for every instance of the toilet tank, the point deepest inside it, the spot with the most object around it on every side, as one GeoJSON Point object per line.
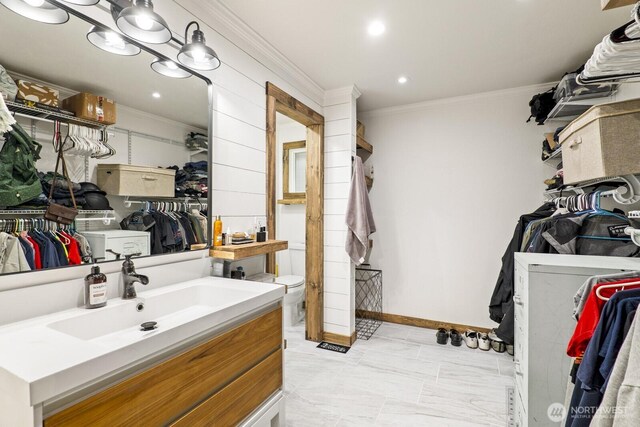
{"type": "Point", "coordinates": [297, 253]}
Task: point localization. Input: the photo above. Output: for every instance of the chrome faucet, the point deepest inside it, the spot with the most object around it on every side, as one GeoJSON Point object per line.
{"type": "Point", "coordinates": [129, 277]}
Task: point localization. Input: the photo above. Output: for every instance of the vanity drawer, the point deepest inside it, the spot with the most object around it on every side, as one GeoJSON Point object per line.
{"type": "Point", "coordinates": [240, 398]}
{"type": "Point", "coordinates": [168, 390]}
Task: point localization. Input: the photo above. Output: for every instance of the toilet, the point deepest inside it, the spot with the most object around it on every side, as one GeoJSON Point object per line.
{"type": "Point", "coordinates": [291, 267]}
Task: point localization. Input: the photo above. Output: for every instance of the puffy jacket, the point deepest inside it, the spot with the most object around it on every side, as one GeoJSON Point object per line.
{"type": "Point", "coordinates": [19, 181]}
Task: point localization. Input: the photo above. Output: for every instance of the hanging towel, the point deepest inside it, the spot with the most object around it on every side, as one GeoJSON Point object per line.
{"type": "Point", "coordinates": [359, 216]}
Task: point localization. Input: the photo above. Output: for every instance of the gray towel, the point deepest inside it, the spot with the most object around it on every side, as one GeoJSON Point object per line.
{"type": "Point", "coordinates": [359, 217]}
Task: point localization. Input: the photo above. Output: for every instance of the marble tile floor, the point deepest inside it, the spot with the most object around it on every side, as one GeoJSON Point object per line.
{"type": "Point", "coordinates": [400, 377]}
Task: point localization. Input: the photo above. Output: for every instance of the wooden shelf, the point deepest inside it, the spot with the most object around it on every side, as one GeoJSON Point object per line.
{"type": "Point", "coordinates": [364, 145]}
{"type": "Point", "coordinates": [292, 201]}
{"type": "Point", "coordinates": [237, 252]}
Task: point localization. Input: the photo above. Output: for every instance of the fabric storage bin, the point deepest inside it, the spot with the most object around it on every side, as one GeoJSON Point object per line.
{"type": "Point", "coordinates": [602, 142]}
{"type": "Point", "coordinates": [35, 92]}
{"type": "Point", "coordinates": [130, 180]}
{"type": "Point", "coordinates": [91, 107]}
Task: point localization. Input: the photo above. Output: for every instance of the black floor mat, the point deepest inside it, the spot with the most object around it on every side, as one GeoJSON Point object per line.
{"type": "Point", "coordinates": [333, 347]}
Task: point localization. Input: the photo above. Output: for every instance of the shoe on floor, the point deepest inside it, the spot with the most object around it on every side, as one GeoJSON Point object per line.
{"type": "Point", "coordinates": [510, 349]}
{"type": "Point", "coordinates": [442, 336]}
{"type": "Point", "coordinates": [484, 343]}
{"type": "Point", "coordinates": [471, 339]}
{"type": "Point", "coordinates": [456, 338]}
{"type": "Point", "coordinates": [497, 344]}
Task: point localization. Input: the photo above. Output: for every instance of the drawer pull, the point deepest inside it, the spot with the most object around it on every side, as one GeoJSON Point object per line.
{"type": "Point", "coordinates": [575, 143]}
{"type": "Point", "coordinates": [149, 178]}
{"type": "Point", "coordinates": [518, 300]}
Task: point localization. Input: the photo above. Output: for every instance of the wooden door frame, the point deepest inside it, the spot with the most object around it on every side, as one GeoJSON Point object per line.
{"type": "Point", "coordinates": [278, 101]}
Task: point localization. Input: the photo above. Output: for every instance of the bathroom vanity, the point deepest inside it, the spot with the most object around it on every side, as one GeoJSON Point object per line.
{"type": "Point", "coordinates": [215, 358]}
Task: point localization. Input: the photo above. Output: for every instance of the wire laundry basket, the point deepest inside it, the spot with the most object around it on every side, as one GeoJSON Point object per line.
{"type": "Point", "coordinates": [368, 302]}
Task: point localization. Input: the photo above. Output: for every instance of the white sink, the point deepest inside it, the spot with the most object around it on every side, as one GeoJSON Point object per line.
{"type": "Point", "coordinates": [168, 307]}
{"type": "Point", "coordinates": [50, 355]}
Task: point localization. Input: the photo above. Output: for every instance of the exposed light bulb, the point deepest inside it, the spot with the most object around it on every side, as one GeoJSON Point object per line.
{"type": "Point", "coordinates": [171, 65]}
{"type": "Point", "coordinates": [34, 3]}
{"type": "Point", "coordinates": [156, 95]}
{"type": "Point", "coordinates": [402, 80]}
{"type": "Point", "coordinates": [112, 39]}
{"type": "Point", "coordinates": [144, 22]}
{"type": "Point", "coordinates": [198, 54]}
{"type": "Point", "coordinates": [376, 28]}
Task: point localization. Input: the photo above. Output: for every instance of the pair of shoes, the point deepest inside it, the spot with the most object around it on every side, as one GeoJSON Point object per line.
{"type": "Point", "coordinates": [442, 336]}
{"type": "Point", "coordinates": [479, 340]}
{"type": "Point", "coordinates": [484, 343]}
{"type": "Point", "coordinates": [471, 338]}
{"type": "Point", "coordinates": [497, 344]}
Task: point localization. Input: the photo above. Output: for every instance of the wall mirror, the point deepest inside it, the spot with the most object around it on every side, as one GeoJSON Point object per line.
{"type": "Point", "coordinates": [139, 167]}
{"type": "Point", "coordinates": [294, 171]}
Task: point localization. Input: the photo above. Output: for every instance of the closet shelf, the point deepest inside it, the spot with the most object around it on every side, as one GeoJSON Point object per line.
{"type": "Point", "coordinates": [50, 116]}
{"type": "Point", "coordinates": [106, 216]}
{"type": "Point", "coordinates": [555, 156]}
{"type": "Point", "coordinates": [238, 252]}
{"type": "Point", "coordinates": [569, 108]}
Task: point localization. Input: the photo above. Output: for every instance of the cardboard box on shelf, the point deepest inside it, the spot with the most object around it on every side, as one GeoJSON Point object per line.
{"type": "Point", "coordinates": [92, 107]}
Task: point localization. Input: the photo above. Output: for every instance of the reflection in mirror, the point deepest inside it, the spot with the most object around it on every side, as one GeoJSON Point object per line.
{"type": "Point", "coordinates": [292, 168]}
{"type": "Point", "coordinates": [134, 143]}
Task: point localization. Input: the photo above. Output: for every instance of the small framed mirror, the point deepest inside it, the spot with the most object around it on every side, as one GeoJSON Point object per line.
{"type": "Point", "coordinates": [294, 172]}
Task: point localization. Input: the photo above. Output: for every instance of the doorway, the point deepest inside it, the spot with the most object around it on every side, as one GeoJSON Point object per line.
{"type": "Point", "coordinates": [279, 101]}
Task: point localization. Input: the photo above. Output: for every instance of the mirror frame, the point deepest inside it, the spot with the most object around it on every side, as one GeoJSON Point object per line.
{"type": "Point", "coordinates": [278, 101]}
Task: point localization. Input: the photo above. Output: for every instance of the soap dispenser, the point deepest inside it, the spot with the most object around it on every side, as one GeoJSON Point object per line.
{"type": "Point", "coordinates": [95, 288]}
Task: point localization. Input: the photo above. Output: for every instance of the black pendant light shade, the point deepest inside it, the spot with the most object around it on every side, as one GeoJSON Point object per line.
{"type": "Point", "coordinates": [196, 54]}
{"type": "Point", "coordinates": [168, 68]}
{"type": "Point", "coordinates": [111, 41]}
{"type": "Point", "coordinates": [140, 22]}
{"type": "Point", "coordinates": [38, 10]}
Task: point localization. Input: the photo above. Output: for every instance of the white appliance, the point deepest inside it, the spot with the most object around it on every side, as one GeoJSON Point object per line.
{"type": "Point", "coordinates": [105, 244]}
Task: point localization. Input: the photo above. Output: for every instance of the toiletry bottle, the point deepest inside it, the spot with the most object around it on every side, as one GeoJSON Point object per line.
{"type": "Point", "coordinates": [229, 236]}
{"type": "Point", "coordinates": [262, 235]}
{"type": "Point", "coordinates": [217, 232]}
{"type": "Point", "coordinates": [95, 288]}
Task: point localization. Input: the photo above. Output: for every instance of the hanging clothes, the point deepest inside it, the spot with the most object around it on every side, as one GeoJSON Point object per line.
{"type": "Point", "coordinates": [12, 256]}
{"type": "Point", "coordinates": [612, 319]}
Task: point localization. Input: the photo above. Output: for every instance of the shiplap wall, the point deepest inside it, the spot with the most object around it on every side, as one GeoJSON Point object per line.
{"type": "Point", "coordinates": [239, 187]}
{"type": "Point", "coordinates": [339, 284]}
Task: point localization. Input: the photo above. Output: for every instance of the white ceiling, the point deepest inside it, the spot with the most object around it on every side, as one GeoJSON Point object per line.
{"type": "Point", "coordinates": [61, 55]}
{"type": "Point", "coordinates": [446, 47]}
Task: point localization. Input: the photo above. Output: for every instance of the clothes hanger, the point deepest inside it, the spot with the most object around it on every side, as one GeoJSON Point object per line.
{"type": "Point", "coordinates": [619, 285]}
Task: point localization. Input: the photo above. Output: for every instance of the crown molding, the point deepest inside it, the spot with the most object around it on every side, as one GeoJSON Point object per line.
{"type": "Point", "coordinates": [408, 108]}
{"type": "Point", "coordinates": [341, 95]}
{"type": "Point", "coordinates": [219, 16]}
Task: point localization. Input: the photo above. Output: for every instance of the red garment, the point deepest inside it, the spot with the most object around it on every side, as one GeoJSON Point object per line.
{"type": "Point", "coordinates": [73, 250]}
{"type": "Point", "coordinates": [36, 251]}
{"type": "Point", "coordinates": [591, 316]}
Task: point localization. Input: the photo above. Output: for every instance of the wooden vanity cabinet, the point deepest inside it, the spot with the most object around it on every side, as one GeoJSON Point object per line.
{"type": "Point", "coordinates": [216, 383]}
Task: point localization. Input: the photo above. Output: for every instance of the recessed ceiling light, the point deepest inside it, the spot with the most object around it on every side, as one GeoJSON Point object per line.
{"type": "Point", "coordinates": [156, 94]}
{"type": "Point", "coordinates": [402, 80]}
{"type": "Point", "coordinates": [376, 28]}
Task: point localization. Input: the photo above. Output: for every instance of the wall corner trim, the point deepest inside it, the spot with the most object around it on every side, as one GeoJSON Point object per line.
{"type": "Point", "coordinates": [219, 16]}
